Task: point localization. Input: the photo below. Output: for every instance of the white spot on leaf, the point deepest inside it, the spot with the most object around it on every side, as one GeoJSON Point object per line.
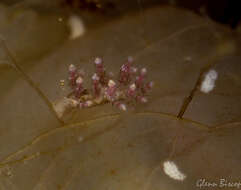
{"type": "Point", "coordinates": [77, 27]}
{"type": "Point", "coordinates": [209, 81]}
{"type": "Point", "coordinates": [172, 171]}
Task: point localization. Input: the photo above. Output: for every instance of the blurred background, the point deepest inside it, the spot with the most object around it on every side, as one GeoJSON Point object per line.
{"type": "Point", "coordinates": [223, 11]}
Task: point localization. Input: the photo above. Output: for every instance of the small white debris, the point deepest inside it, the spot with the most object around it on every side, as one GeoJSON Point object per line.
{"type": "Point", "coordinates": [60, 19]}
{"type": "Point", "coordinates": [80, 138]}
{"type": "Point", "coordinates": [209, 81]}
{"type": "Point", "coordinates": [77, 27]}
{"type": "Point", "coordinates": [62, 105]}
{"type": "Point", "coordinates": [172, 171]}
{"type": "Point", "coordinates": [122, 107]}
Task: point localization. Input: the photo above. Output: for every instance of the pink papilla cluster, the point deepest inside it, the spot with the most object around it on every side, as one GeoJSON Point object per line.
{"type": "Point", "coordinates": [128, 88]}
